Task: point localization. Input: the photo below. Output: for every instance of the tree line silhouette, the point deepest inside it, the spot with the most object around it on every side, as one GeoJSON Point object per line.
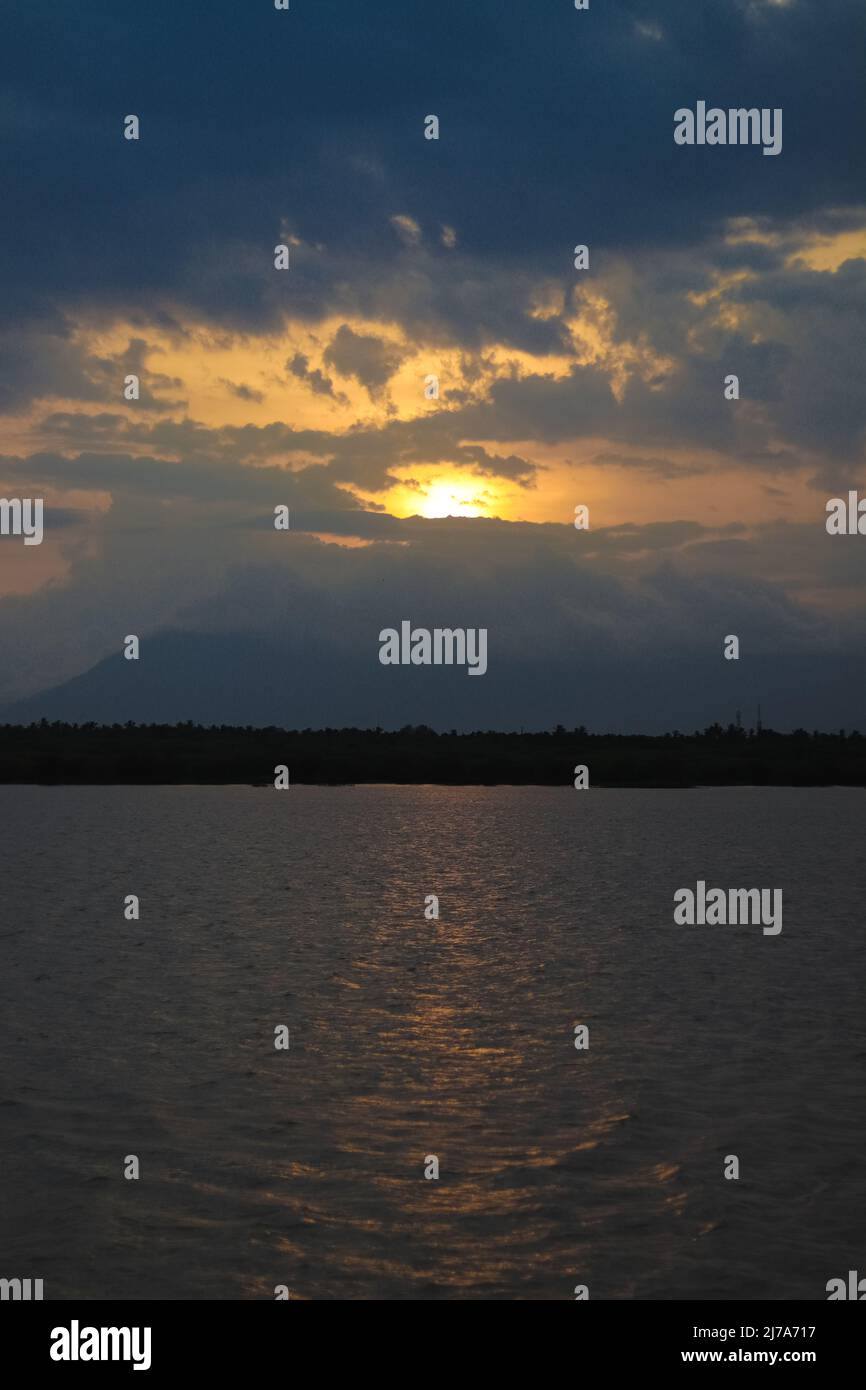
{"type": "Point", "coordinates": [57, 753]}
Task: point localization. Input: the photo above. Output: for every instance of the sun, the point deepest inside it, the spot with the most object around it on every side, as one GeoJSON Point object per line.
{"type": "Point", "coordinates": [445, 499]}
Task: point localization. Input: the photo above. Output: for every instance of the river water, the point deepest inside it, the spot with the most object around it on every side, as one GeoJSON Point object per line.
{"type": "Point", "coordinates": [414, 1037]}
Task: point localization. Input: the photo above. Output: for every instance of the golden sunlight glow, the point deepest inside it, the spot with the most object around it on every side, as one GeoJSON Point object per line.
{"type": "Point", "coordinates": [450, 499]}
{"type": "Point", "coordinates": [829, 252]}
{"type": "Point", "coordinates": [432, 492]}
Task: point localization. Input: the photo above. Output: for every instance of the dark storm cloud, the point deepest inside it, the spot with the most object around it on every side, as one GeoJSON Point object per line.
{"type": "Point", "coordinates": [321, 385]}
{"type": "Point", "coordinates": [820, 401]}
{"type": "Point", "coordinates": [36, 362]}
{"type": "Point", "coordinates": [370, 360]}
{"type": "Point", "coordinates": [799, 355]}
{"type": "Point", "coordinates": [363, 456]}
{"type": "Point", "coordinates": [130, 477]}
{"type": "Point", "coordinates": [556, 127]}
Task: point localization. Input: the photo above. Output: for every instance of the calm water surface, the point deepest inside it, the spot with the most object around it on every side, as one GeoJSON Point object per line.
{"type": "Point", "coordinates": [412, 1037]}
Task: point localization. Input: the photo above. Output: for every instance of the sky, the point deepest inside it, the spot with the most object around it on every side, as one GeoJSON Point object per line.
{"type": "Point", "coordinates": [409, 257]}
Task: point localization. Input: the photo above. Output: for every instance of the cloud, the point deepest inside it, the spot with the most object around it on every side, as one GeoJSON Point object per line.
{"type": "Point", "coordinates": [661, 467]}
{"type": "Point", "coordinates": [407, 229]}
{"type": "Point", "coordinates": [703, 263]}
{"type": "Point", "coordinates": [577, 623]}
{"type": "Point", "coordinates": [321, 385]}
{"type": "Point", "coordinates": [370, 360]}
{"type": "Point", "coordinates": [182, 223]}
{"type": "Point", "coordinates": [51, 360]}
{"type": "Point", "coordinates": [242, 392]}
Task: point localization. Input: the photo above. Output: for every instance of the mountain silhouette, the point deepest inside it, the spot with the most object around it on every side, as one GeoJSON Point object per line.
{"type": "Point", "coordinates": [243, 678]}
